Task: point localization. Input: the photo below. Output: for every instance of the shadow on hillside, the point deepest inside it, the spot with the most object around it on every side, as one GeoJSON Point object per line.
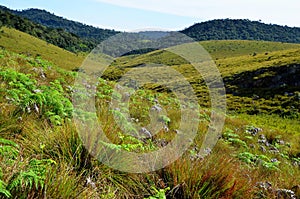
{"type": "Point", "coordinates": [265, 82]}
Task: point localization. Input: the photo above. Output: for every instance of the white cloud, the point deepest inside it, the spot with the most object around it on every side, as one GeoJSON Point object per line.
{"type": "Point", "coordinates": [267, 10]}
{"type": "Point", "coordinates": [176, 7]}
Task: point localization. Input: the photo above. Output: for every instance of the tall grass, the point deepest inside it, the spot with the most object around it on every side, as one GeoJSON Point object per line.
{"type": "Point", "coordinates": [43, 159]}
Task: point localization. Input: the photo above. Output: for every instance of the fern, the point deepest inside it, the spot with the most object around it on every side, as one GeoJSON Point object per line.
{"type": "Point", "coordinates": [8, 149]}
{"type": "Point", "coordinates": [24, 92]}
{"type": "Point", "coordinates": [3, 190]}
{"type": "Point", "coordinates": [247, 157]}
{"type": "Point", "coordinates": [159, 194]}
{"type": "Point", "coordinates": [26, 179]}
{"type": "Point", "coordinates": [262, 160]}
{"type": "Point", "coordinates": [8, 142]}
{"type": "Point", "coordinates": [33, 177]}
{"type": "Point", "coordinates": [165, 119]}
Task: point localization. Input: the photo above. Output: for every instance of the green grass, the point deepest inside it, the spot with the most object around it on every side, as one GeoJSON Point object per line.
{"type": "Point", "coordinates": [32, 141]}
{"type": "Point", "coordinates": [245, 74]}
{"type": "Point", "coordinates": [228, 49]}
{"type": "Point", "coordinates": [230, 62]}
{"type": "Point", "coordinates": [19, 42]}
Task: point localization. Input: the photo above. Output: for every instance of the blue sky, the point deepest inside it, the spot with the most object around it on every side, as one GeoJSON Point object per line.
{"type": "Point", "coordinates": [132, 15]}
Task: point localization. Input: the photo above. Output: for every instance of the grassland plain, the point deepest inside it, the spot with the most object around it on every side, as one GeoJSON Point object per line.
{"type": "Point", "coordinates": [42, 155]}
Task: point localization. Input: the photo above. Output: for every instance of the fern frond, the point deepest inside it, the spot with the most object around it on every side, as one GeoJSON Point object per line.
{"type": "Point", "coordinates": [8, 149]}
{"type": "Point", "coordinates": [3, 190]}
{"type": "Point", "coordinates": [8, 142]}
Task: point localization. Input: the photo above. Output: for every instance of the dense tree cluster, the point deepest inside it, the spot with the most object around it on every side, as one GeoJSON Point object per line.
{"type": "Point", "coordinates": [240, 29]}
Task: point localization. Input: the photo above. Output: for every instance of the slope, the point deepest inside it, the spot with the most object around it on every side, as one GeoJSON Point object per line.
{"type": "Point", "coordinates": [50, 20]}
{"type": "Point", "coordinates": [19, 42]}
{"type": "Point", "coordinates": [225, 29]}
{"type": "Point", "coordinates": [43, 154]}
{"type": "Point", "coordinates": [259, 77]}
{"type": "Point", "coordinates": [58, 37]}
{"type": "Point", "coordinates": [221, 51]}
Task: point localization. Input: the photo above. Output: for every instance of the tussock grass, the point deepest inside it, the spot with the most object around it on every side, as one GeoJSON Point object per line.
{"type": "Point", "coordinates": [228, 172]}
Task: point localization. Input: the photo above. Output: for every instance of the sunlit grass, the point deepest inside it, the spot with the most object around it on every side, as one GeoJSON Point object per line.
{"type": "Point", "coordinates": [225, 173]}
{"type": "Point", "coordinates": [19, 42]}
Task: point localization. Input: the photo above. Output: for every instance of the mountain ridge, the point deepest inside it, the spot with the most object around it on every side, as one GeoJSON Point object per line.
{"type": "Point", "coordinates": [57, 37]}
{"type": "Point", "coordinates": [82, 30]}
{"type": "Point", "coordinates": [242, 29]}
{"type": "Point", "coordinates": [217, 29]}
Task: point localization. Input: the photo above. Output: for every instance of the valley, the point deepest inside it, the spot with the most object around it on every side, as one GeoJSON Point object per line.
{"type": "Point", "coordinates": [50, 146]}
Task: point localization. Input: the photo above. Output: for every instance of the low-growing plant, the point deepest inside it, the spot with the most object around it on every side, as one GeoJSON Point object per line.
{"type": "Point", "coordinates": [258, 160]}
{"type": "Point", "coordinates": [159, 193]}
{"type": "Point", "coordinates": [3, 189]}
{"type": "Point", "coordinates": [48, 101]}
{"type": "Point", "coordinates": [25, 176]}
{"type": "Point", "coordinates": [33, 176]}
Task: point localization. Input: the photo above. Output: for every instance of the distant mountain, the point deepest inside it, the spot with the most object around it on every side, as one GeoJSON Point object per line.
{"type": "Point", "coordinates": [239, 29]}
{"type": "Point", "coordinates": [222, 29]}
{"type": "Point", "coordinates": [50, 20]}
{"type": "Point", "coordinates": [75, 36]}
{"type": "Point", "coordinates": [58, 37]}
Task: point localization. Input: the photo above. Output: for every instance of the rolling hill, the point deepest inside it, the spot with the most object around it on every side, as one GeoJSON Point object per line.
{"type": "Point", "coordinates": [57, 37]}
{"type": "Point", "coordinates": [50, 20]}
{"type": "Point", "coordinates": [23, 43]}
{"type": "Point", "coordinates": [238, 29]}
{"type": "Point", "coordinates": [43, 148]}
{"type": "Point", "coordinates": [259, 76]}
{"type": "Point", "coordinates": [223, 29]}
{"type": "Point", "coordinates": [44, 153]}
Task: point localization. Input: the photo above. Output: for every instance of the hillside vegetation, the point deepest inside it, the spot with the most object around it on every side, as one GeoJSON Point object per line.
{"type": "Point", "coordinates": [223, 29]}
{"type": "Point", "coordinates": [22, 43]}
{"type": "Point", "coordinates": [221, 49]}
{"type": "Point", "coordinates": [45, 153]}
{"type": "Point", "coordinates": [50, 20]}
{"type": "Point", "coordinates": [42, 154]}
{"type": "Point", "coordinates": [58, 37]}
{"type": "Point", "coordinates": [260, 77]}
{"type": "Point", "coordinates": [240, 29]}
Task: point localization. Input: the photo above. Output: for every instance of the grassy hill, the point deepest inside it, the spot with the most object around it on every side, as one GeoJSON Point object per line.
{"type": "Point", "coordinates": [220, 49]}
{"type": "Point", "coordinates": [240, 29]}
{"type": "Point", "coordinates": [44, 156]}
{"type": "Point", "coordinates": [22, 43]}
{"type": "Point", "coordinates": [43, 153]}
{"type": "Point", "coordinates": [260, 77]}
{"type": "Point", "coordinates": [50, 20]}
{"type": "Point", "coordinates": [58, 37]}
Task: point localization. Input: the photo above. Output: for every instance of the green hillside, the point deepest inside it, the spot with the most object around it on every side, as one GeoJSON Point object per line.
{"type": "Point", "coordinates": [220, 50]}
{"type": "Point", "coordinates": [268, 71]}
{"type": "Point", "coordinates": [42, 154]}
{"type": "Point", "coordinates": [58, 37]}
{"type": "Point", "coordinates": [50, 20]}
{"type": "Point", "coordinates": [225, 48]}
{"type": "Point", "coordinates": [241, 29]}
{"type": "Point", "coordinates": [22, 43]}
{"type": "Point", "coordinates": [46, 153]}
